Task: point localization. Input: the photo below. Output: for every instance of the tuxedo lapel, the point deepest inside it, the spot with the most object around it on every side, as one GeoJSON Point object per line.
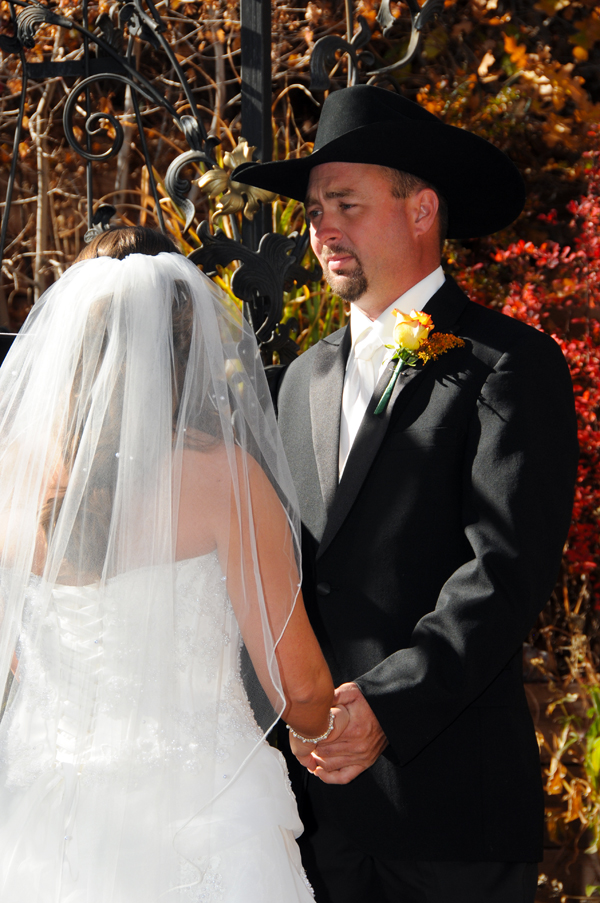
{"type": "Point", "coordinates": [327, 383]}
{"type": "Point", "coordinates": [444, 308]}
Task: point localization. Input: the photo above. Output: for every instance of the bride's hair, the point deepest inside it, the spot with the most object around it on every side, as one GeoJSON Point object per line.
{"type": "Point", "coordinates": [121, 241]}
{"type": "Point", "coordinates": [203, 430]}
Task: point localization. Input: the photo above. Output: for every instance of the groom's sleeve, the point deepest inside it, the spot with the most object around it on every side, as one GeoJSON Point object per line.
{"type": "Point", "coordinates": [516, 494]}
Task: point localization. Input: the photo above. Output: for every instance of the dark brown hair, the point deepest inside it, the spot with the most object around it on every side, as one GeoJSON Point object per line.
{"type": "Point", "coordinates": [121, 241]}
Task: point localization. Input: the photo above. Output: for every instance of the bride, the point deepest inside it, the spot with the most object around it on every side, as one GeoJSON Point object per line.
{"type": "Point", "coordinates": [152, 629]}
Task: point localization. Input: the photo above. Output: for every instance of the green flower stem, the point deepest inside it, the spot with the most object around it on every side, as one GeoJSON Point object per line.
{"type": "Point", "coordinates": [383, 401]}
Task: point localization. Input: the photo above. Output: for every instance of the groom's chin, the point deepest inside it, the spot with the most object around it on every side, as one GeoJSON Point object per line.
{"type": "Point", "coordinates": [347, 287]}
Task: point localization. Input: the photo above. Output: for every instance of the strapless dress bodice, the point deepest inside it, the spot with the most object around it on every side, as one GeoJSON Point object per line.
{"type": "Point", "coordinates": [93, 685]}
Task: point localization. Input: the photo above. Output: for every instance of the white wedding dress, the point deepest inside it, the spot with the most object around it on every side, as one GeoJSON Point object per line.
{"type": "Point", "coordinates": [103, 799]}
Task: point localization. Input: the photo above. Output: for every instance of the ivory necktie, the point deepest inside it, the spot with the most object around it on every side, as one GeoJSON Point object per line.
{"type": "Point", "coordinates": [361, 378]}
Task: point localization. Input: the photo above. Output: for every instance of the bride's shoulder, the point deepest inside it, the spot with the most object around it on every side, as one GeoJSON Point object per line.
{"type": "Point", "coordinates": [209, 473]}
{"type": "Point", "coordinates": [210, 461]}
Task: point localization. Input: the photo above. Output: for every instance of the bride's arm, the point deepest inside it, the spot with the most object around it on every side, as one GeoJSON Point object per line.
{"type": "Point", "coordinates": [249, 529]}
{"type": "Point", "coordinates": [304, 674]}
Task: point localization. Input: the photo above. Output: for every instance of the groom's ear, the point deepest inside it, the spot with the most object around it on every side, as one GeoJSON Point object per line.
{"type": "Point", "coordinates": [423, 209]}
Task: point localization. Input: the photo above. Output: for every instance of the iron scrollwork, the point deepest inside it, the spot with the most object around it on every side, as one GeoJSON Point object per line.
{"type": "Point", "coordinates": [261, 276]}
{"type": "Point", "coordinates": [95, 118]}
{"type": "Point", "coordinates": [260, 281]}
{"type": "Point", "coordinates": [324, 56]}
{"type": "Point", "coordinates": [419, 17]}
{"type": "Point", "coordinates": [32, 18]}
{"type": "Point", "coordinates": [149, 28]}
{"type": "Point", "coordinates": [324, 52]}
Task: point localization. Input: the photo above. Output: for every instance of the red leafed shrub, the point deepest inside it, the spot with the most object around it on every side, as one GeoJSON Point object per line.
{"type": "Point", "coordinates": [556, 288]}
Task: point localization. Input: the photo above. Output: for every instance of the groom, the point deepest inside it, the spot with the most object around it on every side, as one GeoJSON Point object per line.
{"type": "Point", "coordinates": [433, 529]}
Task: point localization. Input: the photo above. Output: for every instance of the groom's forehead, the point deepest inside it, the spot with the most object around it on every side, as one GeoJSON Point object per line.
{"type": "Point", "coordinates": [339, 179]}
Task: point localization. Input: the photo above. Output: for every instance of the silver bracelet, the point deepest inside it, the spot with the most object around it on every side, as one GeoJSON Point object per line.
{"type": "Point", "coordinates": [315, 739]}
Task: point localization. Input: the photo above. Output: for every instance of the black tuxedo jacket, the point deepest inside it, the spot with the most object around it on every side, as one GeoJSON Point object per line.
{"type": "Point", "coordinates": [425, 568]}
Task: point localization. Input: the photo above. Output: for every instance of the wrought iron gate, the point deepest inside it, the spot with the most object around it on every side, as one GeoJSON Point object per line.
{"type": "Point", "coordinates": [268, 261]}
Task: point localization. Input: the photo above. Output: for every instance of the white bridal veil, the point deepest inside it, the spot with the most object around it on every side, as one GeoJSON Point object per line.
{"type": "Point", "coordinates": [126, 371]}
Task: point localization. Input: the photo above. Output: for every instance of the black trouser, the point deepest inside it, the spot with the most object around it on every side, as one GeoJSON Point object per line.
{"type": "Point", "coordinates": [342, 873]}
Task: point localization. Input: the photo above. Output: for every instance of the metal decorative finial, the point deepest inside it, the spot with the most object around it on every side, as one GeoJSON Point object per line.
{"type": "Point", "coordinates": [237, 197]}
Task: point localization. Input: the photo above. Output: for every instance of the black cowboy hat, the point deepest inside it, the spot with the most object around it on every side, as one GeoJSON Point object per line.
{"type": "Point", "coordinates": [364, 124]}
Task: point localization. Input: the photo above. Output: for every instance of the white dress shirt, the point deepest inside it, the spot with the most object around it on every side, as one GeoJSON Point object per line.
{"type": "Point", "coordinates": [368, 356]}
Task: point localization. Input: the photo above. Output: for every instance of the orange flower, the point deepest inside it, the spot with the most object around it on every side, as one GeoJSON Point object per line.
{"type": "Point", "coordinates": [439, 343]}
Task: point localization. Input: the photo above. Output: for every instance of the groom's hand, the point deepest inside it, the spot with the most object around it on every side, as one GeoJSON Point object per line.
{"type": "Point", "coordinates": [339, 761]}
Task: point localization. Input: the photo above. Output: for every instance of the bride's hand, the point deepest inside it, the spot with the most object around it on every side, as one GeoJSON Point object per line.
{"type": "Point", "coordinates": [303, 750]}
{"type": "Point", "coordinates": [342, 717]}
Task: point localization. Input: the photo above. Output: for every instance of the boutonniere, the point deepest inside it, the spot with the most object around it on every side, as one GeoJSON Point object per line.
{"type": "Point", "coordinates": [412, 344]}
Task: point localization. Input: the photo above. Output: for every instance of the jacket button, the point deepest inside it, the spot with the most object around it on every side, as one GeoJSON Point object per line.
{"type": "Point", "coordinates": [323, 589]}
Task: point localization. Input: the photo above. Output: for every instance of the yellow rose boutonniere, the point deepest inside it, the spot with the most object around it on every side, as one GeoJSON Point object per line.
{"type": "Point", "coordinates": [410, 331]}
{"type": "Point", "coordinates": [411, 335]}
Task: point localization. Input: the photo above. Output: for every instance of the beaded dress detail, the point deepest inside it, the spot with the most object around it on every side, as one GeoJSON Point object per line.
{"type": "Point", "coordinates": [197, 803]}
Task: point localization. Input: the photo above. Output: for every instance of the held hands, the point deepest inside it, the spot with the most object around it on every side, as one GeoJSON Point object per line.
{"type": "Point", "coordinates": [354, 745]}
{"type": "Point", "coordinates": [303, 749]}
